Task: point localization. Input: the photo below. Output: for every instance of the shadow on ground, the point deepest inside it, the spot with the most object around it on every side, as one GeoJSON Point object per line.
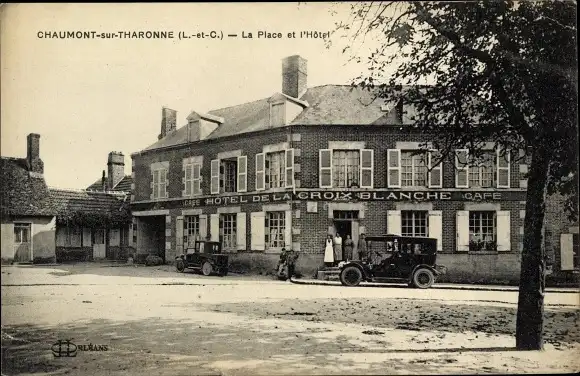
{"type": "Point", "coordinates": [164, 347]}
{"type": "Point", "coordinates": [561, 325]}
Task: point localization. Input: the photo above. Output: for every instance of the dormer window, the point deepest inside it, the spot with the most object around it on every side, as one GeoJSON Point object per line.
{"type": "Point", "coordinates": [277, 114]}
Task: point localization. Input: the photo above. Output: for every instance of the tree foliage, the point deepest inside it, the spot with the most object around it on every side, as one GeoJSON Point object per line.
{"type": "Point", "coordinates": [497, 70]}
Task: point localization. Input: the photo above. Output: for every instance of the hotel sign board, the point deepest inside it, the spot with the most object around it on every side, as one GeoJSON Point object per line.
{"type": "Point", "coordinates": [335, 196]}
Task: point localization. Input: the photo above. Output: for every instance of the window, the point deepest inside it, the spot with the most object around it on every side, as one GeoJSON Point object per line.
{"type": "Point", "coordinates": [124, 236]}
{"type": "Point", "coordinates": [191, 230]}
{"type": "Point", "coordinates": [413, 169]}
{"type": "Point", "coordinates": [275, 229]}
{"type": "Point", "coordinates": [228, 175]}
{"type": "Point", "coordinates": [192, 179]}
{"type": "Point", "coordinates": [488, 170]}
{"type": "Point", "coordinates": [275, 164]}
{"type": "Point", "coordinates": [159, 184]}
{"type": "Point", "coordinates": [345, 168]}
{"type": "Point", "coordinates": [228, 231]}
{"type": "Point", "coordinates": [481, 173]}
{"type": "Point", "coordinates": [21, 233]}
{"type": "Point", "coordinates": [414, 223]}
{"type": "Point", "coordinates": [134, 224]}
{"type": "Point", "coordinates": [482, 231]}
{"type": "Point", "coordinates": [345, 214]}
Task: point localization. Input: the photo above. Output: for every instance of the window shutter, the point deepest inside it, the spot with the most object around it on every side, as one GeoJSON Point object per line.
{"type": "Point", "coordinates": [462, 222]}
{"type": "Point", "coordinates": [165, 183]}
{"type": "Point", "coordinates": [187, 186]}
{"type": "Point", "coordinates": [179, 234]}
{"type": "Point", "coordinates": [394, 168]}
{"type": "Point", "coordinates": [87, 237]}
{"type": "Point", "coordinates": [214, 227]}
{"type": "Point", "coordinates": [257, 229]}
{"type": "Point", "coordinates": [289, 168]}
{"type": "Point", "coordinates": [503, 169]}
{"type": "Point", "coordinates": [241, 231]}
{"type": "Point", "coordinates": [242, 174]}
{"type": "Point", "coordinates": [153, 184]}
{"type": "Point", "coordinates": [503, 230]}
{"type": "Point", "coordinates": [288, 229]}
{"type": "Point", "coordinates": [436, 227]}
{"type": "Point", "coordinates": [435, 172]}
{"type": "Point", "coordinates": [567, 252]}
{"type": "Point", "coordinates": [260, 172]}
{"type": "Point", "coordinates": [203, 226]}
{"type": "Point", "coordinates": [462, 168]}
{"type": "Point", "coordinates": [196, 189]}
{"type": "Point", "coordinates": [394, 222]}
{"type": "Point", "coordinates": [215, 176]}
{"type": "Point", "coordinates": [325, 168]}
{"type": "Point", "coordinates": [367, 166]}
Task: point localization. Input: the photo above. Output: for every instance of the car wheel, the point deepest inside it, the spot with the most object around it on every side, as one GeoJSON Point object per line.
{"type": "Point", "coordinates": [206, 268]}
{"type": "Point", "coordinates": [423, 278]}
{"type": "Point", "coordinates": [351, 276]}
{"type": "Point", "coordinates": [180, 265]}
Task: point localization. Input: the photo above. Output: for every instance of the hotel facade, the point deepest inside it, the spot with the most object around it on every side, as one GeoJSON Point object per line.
{"type": "Point", "coordinates": [287, 170]}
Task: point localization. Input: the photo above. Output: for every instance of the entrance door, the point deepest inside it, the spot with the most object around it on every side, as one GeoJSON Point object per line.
{"type": "Point", "coordinates": [99, 247]}
{"type": "Point", "coordinates": [22, 242]}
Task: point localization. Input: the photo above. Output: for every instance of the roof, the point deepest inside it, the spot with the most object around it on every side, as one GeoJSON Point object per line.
{"type": "Point", "coordinates": [328, 104]}
{"type": "Point", "coordinates": [123, 186]}
{"type": "Point", "coordinates": [23, 193]}
{"type": "Point", "coordinates": [92, 203]}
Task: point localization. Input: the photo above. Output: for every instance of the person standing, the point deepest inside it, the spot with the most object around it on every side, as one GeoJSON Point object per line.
{"type": "Point", "coordinates": [337, 248]}
{"type": "Point", "coordinates": [291, 258]}
{"type": "Point", "coordinates": [362, 248]}
{"type": "Point", "coordinates": [328, 251]}
{"type": "Point", "coordinates": [348, 248]}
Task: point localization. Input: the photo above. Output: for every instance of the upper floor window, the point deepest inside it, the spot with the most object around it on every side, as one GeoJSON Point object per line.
{"type": "Point", "coordinates": [159, 181]}
{"type": "Point", "coordinates": [414, 168]}
{"type": "Point", "coordinates": [346, 168]}
{"type": "Point", "coordinates": [275, 169]}
{"type": "Point", "coordinates": [229, 174]}
{"type": "Point", "coordinates": [491, 169]}
{"type": "Point", "coordinates": [192, 176]}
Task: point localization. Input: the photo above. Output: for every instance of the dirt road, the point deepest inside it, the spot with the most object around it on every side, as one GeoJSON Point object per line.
{"type": "Point", "coordinates": [155, 322]}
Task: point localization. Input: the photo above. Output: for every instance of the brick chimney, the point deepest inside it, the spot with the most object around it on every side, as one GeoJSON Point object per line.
{"type": "Point", "coordinates": [168, 121]}
{"type": "Point", "coordinates": [116, 169]}
{"type": "Point", "coordinates": [294, 76]}
{"type": "Point", "coordinates": [35, 164]}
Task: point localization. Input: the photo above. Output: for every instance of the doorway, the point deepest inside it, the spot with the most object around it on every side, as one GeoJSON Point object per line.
{"type": "Point", "coordinates": [346, 222]}
{"type": "Point", "coordinates": [99, 245]}
{"type": "Point", "coordinates": [151, 239]}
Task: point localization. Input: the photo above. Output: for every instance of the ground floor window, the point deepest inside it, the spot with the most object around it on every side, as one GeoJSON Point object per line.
{"type": "Point", "coordinates": [191, 230]}
{"type": "Point", "coordinates": [482, 231]}
{"type": "Point", "coordinates": [275, 229]}
{"type": "Point", "coordinates": [414, 223]}
{"type": "Point", "coordinates": [21, 233]}
{"type": "Point", "coordinates": [228, 227]}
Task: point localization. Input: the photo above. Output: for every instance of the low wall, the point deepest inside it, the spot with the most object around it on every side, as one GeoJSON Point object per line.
{"type": "Point", "coordinates": [481, 268]}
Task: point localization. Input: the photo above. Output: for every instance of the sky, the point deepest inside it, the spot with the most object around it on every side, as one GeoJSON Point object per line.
{"type": "Point", "coordinates": [88, 97]}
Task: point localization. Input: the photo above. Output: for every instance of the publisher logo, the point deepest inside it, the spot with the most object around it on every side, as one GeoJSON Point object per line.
{"type": "Point", "coordinates": [64, 349]}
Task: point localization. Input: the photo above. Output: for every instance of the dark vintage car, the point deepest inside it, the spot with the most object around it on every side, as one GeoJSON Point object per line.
{"type": "Point", "coordinates": [395, 259]}
{"type": "Point", "coordinates": [205, 256]}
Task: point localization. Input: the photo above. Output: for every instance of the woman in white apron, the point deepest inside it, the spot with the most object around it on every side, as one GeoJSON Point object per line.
{"type": "Point", "coordinates": [329, 252]}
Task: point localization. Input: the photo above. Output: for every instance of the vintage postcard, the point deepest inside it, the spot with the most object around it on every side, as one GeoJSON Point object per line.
{"type": "Point", "coordinates": [289, 188]}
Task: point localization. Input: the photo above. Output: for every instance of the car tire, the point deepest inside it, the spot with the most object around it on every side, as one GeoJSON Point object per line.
{"type": "Point", "coordinates": [423, 278]}
{"type": "Point", "coordinates": [180, 265]}
{"type": "Point", "coordinates": [206, 268]}
{"type": "Point", "coordinates": [351, 276]}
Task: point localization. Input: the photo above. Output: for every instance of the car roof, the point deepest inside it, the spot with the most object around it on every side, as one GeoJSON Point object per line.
{"type": "Point", "coordinates": [387, 237]}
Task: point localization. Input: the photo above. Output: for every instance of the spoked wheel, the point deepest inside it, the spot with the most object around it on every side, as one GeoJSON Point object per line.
{"type": "Point", "coordinates": [423, 278]}
{"type": "Point", "coordinates": [351, 276]}
{"type": "Point", "coordinates": [206, 268]}
{"type": "Point", "coordinates": [180, 265]}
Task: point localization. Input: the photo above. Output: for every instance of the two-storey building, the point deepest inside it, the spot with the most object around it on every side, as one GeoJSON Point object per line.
{"type": "Point", "coordinates": [287, 170]}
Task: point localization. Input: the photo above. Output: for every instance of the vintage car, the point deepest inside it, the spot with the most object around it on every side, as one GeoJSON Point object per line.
{"type": "Point", "coordinates": [205, 256]}
{"type": "Point", "coordinates": [395, 259]}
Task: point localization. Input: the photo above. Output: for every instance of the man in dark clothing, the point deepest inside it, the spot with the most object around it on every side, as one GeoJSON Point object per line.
{"type": "Point", "coordinates": [291, 258]}
{"type": "Point", "coordinates": [362, 248]}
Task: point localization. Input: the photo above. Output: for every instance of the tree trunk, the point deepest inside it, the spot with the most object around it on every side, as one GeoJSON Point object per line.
{"type": "Point", "coordinates": [530, 316]}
